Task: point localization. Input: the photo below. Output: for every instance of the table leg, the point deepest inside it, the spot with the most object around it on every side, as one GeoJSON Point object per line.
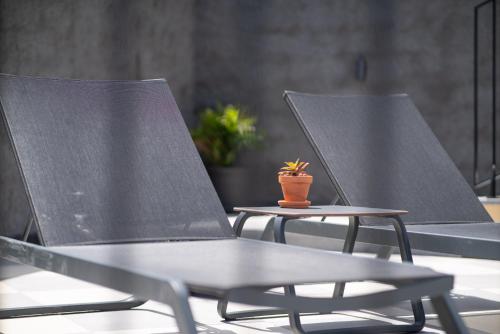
{"type": "Point", "coordinates": [279, 236]}
{"type": "Point", "coordinates": [349, 242]}
{"type": "Point", "coordinates": [406, 256]}
{"type": "Point", "coordinates": [279, 229]}
{"type": "Point", "coordinates": [240, 222]}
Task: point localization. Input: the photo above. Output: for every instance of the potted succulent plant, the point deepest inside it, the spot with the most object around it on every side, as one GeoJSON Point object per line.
{"type": "Point", "coordinates": [295, 184]}
{"type": "Point", "coordinates": [223, 132]}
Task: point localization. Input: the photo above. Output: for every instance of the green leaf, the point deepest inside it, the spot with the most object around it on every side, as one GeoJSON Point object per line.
{"type": "Point", "coordinates": [224, 131]}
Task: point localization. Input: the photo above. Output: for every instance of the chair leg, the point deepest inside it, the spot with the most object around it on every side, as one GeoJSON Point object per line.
{"type": "Point", "coordinates": [349, 242]}
{"type": "Point", "coordinates": [230, 316]}
{"type": "Point", "coordinates": [450, 320]}
{"type": "Point", "coordinates": [222, 303]}
{"type": "Point", "coordinates": [296, 325]}
{"type": "Point", "coordinates": [237, 228]}
{"type": "Point", "coordinates": [293, 317]}
{"type": "Point", "coordinates": [406, 256]}
{"type": "Point", "coordinates": [176, 295]}
{"type": "Point", "coordinates": [70, 308]}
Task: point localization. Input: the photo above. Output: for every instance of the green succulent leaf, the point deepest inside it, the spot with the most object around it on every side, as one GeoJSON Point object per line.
{"type": "Point", "coordinates": [294, 168]}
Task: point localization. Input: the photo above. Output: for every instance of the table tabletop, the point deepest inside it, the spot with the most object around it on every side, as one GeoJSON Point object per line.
{"type": "Point", "coordinates": [322, 211]}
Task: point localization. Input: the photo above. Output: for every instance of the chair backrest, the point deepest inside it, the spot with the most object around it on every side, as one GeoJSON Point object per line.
{"type": "Point", "coordinates": [379, 152]}
{"type": "Point", "coordinates": [108, 161]}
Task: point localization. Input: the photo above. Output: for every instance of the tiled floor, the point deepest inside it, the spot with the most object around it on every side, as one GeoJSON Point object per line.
{"type": "Point", "coordinates": [477, 294]}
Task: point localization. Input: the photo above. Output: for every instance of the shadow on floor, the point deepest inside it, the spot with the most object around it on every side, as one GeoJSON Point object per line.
{"type": "Point", "coordinates": [10, 269]}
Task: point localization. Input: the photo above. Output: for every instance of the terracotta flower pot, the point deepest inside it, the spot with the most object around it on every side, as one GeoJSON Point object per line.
{"type": "Point", "coordinates": [295, 190]}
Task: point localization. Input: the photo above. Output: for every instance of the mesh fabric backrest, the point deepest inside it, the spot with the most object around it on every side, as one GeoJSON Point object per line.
{"type": "Point", "coordinates": [379, 152]}
{"type": "Point", "coordinates": [109, 161]}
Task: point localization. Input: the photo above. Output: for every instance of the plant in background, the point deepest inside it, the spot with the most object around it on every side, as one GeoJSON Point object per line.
{"type": "Point", "coordinates": [294, 168]}
{"type": "Point", "coordinates": [222, 132]}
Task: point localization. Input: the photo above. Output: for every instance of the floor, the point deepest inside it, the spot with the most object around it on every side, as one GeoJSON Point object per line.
{"type": "Point", "coordinates": [476, 293]}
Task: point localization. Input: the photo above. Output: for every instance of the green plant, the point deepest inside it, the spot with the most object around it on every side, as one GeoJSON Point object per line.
{"type": "Point", "coordinates": [222, 132]}
{"type": "Point", "coordinates": [296, 168]}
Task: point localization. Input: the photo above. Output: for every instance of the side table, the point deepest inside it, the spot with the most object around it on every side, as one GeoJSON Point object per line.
{"type": "Point", "coordinates": [283, 215]}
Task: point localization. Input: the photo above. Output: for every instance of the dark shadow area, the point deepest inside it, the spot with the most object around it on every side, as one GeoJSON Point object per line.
{"type": "Point", "coordinates": [463, 303]}
{"type": "Point", "coordinates": [337, 325]}
{"type": "Point", "coordinates": [99, 320]}
{"type": "Point", "coordinates": [485, 77]}
{"type": "Point", "coordinates": [402, 312]}
{"type": "Point", "coordinates": [10, 269]}
{"type": "Point", "coordinates": [14, 206]}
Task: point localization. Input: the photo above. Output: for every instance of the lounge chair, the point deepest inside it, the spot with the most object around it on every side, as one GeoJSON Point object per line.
{"type": "Point", "coordinates": [378, 151]}
{"type": "Point", "coordinates": [113, 179]}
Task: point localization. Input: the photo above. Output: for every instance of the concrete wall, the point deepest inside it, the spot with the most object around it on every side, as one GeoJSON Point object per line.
{"type": "Point", "coordinates": [100, 39]}
{"type": "Point", "coordinates": [249, 51]}
{"type": "Point", "coordinates": [92, 39]}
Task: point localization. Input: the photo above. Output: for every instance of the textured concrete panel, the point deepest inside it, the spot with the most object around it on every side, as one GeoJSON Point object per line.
{"type": "Point", "coordinates": [94, 39]}
{"type": "Point", "coordinates": [100, 39]}
{"type": "Point", "coordinates": [248, 52]}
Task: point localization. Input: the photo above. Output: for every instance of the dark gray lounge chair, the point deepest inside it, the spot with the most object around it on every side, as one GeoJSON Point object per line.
{"type": "Point", "coordinates": [378, 151]}
{"type": "Point", "coordinates": [113, 178]}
